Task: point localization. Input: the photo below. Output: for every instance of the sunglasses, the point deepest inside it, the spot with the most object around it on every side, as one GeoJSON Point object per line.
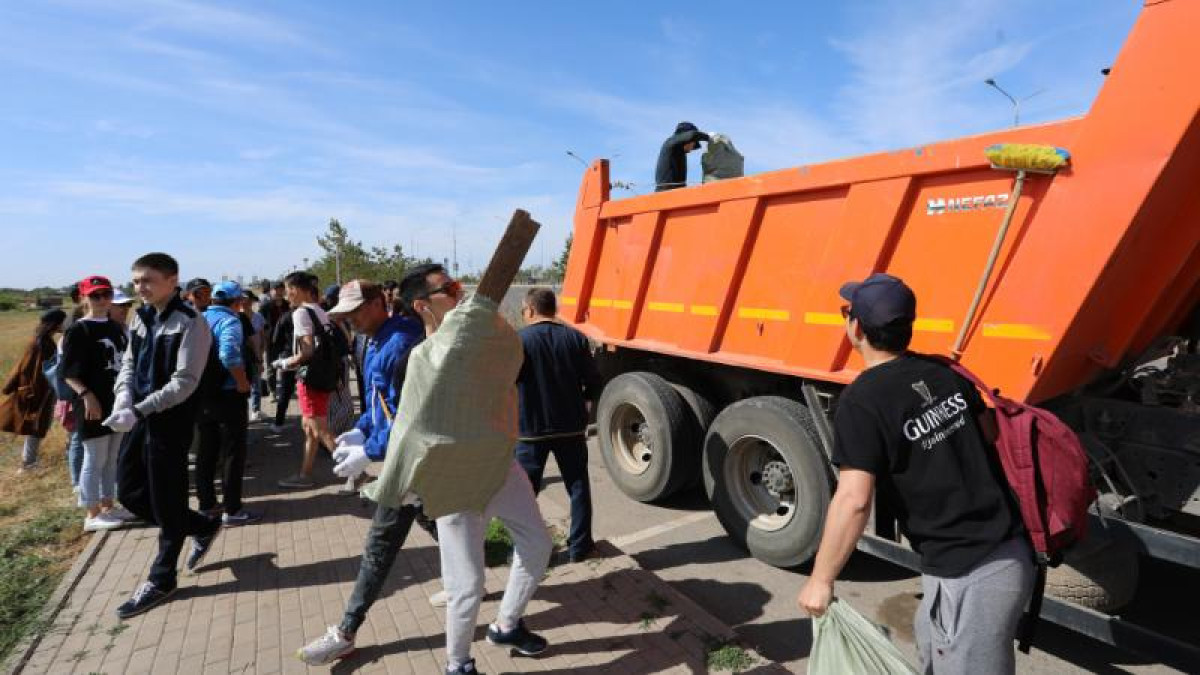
{"type": "Point", "coordinates": [98, 295]}
{"type": "Point", "coordinates": [450, 288]}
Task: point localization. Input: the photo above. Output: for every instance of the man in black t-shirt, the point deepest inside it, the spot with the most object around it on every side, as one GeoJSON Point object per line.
{"type": "Point", "coordinates": [911, 426]}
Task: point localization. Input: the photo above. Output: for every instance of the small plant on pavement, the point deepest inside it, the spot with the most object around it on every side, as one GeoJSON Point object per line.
{"type": "Point", "coordinates": [727, 656]}
{"type": "Point", "coordinates": [497, 544]}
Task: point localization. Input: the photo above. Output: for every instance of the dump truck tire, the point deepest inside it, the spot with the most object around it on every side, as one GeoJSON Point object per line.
{"type": "Point", "coordinates": [766, 477]}
{"type": "Point", "coordinates": [702, 414]}
{"type": "Point", "coordinates": [647, 439]}
{"type": "Point", "coordinates": [1101, 574]}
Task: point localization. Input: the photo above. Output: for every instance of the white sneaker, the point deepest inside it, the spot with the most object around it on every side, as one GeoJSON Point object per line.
{"type": "Point", "coordinates": [102, 522]}
{"type": "Point", "coordinates": [438, 599]}
{"type": "Point", "coordinates": [326, 649]}
{"type": "Point", "coordinates": [255, 416]}
{"type": "Point", "coordinates": [121, 514]}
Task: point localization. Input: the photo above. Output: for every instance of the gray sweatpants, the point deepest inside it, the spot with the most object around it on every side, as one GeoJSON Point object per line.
{"type": "Point", "coordinates": [460, 541]}
{"type": "Point", "coordinates": [967, 624]}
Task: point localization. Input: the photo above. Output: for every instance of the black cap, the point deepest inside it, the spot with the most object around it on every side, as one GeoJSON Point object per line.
{"type": "Point", "coordinates": [685, 126]}
{"type": "Point", "coordinates": [879, 300]}
{"type": "Point", "coordinates": [197, 283]}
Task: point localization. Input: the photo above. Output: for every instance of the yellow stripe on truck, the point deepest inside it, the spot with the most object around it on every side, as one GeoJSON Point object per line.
{"type": "Point", "coordinates": [704, 310]}
{"type": "Point", "coordinates": [565, 300]}
{"type": "Point", "coordinates": [823, 319]}
{"type": "Point", "coordinates": [1015, 331]}
{"type": "Point", "coordinates": [673, 307]}
{"type": "Point", "coordinates": [934, 325]}
{"type": "Point", "coordinates": [601, 302]}
{"type": "Point", "coordinates": [622, 304]}
{"type": "Point", "coordinates": [766, 314]}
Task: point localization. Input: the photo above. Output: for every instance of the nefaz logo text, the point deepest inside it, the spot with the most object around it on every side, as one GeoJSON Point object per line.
{"type": "Point", "coordinates": [940, 206]}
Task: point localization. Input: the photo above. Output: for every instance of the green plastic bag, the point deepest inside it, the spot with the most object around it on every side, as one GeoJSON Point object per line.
{"type": "Point", "coordinates": [846, 642]}
{"type": "Point", "coordinates": [456, 424]}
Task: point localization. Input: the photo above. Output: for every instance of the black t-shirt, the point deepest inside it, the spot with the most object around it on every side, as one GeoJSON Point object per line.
{"type": "Point", "coordinates": [92, 352]}
{"type": "Point", "coordinates": [912, 422]}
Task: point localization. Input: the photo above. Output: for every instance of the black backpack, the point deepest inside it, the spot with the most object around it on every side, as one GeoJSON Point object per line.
{"type": "Point", "coordinates": [324, 368]}
{"type": "Point", "coordinates": [212, 381]}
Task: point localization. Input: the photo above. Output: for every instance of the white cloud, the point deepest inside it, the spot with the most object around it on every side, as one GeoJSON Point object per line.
{"type": "Point", "coordinates": [119, 128]}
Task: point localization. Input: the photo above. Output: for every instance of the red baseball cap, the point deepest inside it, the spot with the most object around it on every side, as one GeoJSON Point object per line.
{"type": "Point", "coordinates": [90, 285]}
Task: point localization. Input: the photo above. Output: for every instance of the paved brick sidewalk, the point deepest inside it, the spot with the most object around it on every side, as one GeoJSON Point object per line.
{"type": "Point", "coordinates": [268, 588]}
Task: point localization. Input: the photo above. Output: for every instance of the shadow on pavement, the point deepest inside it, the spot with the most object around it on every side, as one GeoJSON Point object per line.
{"type": "Point", "coordinates": [780, 641]}
{"type": "Point", "coordinates": [260, 572]}
{"type": "Point", "coordinates": [372, 655]}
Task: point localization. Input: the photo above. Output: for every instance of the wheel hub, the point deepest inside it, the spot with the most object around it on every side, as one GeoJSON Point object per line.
{"type": "Point", "coordinates": [777, 478]}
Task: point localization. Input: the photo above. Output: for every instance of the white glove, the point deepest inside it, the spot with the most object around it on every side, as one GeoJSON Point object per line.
{"type": "Point", "coordinates": [340, 453]}
{"type": "Point", "coordinates": [280, 364]}
{"type": "Point", "coordinates": [121, 421]}
{"type": "Point", "coordinates": [353, 462]}
{"type": "Point", "coordinates": [352, 437]}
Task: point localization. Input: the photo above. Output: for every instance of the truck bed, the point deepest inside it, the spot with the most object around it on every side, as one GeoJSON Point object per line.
{"type": "Point", "coordinates": [1100, 259]}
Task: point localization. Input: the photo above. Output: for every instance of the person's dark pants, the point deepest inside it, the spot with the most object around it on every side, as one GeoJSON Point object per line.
{"type": "Point", "coordinates": [283, 395]}
{"type": "Point", "coordinates": [152, 482]}
{"type": "Point", "coordinates": [389, 529]}
{"type": "Point", "coordinates": [571, 456]}
{"type": "Point", "coordinates": [222, 424]}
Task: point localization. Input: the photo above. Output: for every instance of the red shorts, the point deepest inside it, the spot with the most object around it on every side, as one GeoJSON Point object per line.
{"type": "Point", "coordinates": [313, 403]}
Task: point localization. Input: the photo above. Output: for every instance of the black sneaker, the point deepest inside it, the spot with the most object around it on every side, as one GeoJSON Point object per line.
{"type": "Point", "coordinates": [519, 639]}
{"type": "Point", "coordinates": [146, 597]}
{"type": "Point", "coordinates": [464, 669]}
{"type": "Point", "coordinates": [242, 517]}
{"type": "Point", "coordinates": [200, 548]}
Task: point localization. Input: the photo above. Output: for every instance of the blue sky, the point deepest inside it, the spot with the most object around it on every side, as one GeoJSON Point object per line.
{"type": "Point", "coordinates": [229, 133]}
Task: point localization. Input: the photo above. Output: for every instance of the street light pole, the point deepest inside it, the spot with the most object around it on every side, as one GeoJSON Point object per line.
{"type": "Point", "coordinates": [1015, 101]}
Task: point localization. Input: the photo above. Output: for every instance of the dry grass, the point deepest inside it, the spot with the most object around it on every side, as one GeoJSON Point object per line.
{"type": "Point", "coordinates": [35, 510]}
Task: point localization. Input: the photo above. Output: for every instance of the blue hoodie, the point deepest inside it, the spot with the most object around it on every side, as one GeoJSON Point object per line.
{"type": "Point", "coordinates": [387, 350]}
{"type": "Point", "coordinates": [227, 334]}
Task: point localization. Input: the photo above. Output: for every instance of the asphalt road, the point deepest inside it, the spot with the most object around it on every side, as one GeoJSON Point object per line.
{"type": "Point", "coordinates": [682, 542]}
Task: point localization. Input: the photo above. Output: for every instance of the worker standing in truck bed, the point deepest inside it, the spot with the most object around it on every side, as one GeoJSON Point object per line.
{"type": "Point", "coordinates": [671, 171]}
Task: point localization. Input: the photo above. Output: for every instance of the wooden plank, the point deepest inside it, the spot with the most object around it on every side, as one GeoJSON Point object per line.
{"type": "Point", "coordinates": [509, 255]}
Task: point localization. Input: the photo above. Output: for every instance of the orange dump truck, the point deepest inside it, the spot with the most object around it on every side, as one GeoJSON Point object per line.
{"type": "Point", "coordinates": [718, 313]}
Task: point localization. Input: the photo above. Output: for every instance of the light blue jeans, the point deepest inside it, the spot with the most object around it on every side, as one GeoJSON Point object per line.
{"type": "Point", "coordinates": [75, 457]}
{"type": "Point", "coordinates": [98, 479]}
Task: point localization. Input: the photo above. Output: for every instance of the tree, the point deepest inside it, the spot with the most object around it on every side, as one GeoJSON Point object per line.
{"type": "Point", "coordinates": [379, 263]}
{"type": "Point", "coordinates": [558, 268]}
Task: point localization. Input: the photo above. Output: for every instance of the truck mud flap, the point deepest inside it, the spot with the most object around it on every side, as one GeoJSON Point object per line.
{"type": "Point", "coordinates": [1103, 627]}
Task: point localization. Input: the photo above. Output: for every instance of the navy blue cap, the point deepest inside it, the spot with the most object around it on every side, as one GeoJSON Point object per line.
{"type": "Point", "coordinates": [879, 300]}
{"type": "Point", "coordinates": [196, 284]}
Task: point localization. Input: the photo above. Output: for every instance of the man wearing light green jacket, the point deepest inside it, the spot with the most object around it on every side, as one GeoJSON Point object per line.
{"type": "Point", "coordinates": [451, 448]}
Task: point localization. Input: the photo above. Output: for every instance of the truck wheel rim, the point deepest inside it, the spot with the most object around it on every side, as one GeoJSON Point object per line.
{"type": "Point", "coordinates": [760, 484]}
{"type": "Point", "coordinates": [631, 441]}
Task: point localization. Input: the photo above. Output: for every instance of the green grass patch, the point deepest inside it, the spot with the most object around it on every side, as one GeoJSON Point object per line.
{"type": "Point", "coordinates": [497, 544]}
{"type": "Point", "coordinates": [729, 657]}
{"type": "Point", "coordinates": [28, 574]}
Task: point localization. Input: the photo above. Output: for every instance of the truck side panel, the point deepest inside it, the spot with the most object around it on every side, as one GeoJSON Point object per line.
{"type": "Point", "coordinates": [1099, 259]}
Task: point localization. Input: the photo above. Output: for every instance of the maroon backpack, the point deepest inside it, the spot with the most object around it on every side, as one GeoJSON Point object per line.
{"type": "Point", "coordinates": [1047, 469]}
